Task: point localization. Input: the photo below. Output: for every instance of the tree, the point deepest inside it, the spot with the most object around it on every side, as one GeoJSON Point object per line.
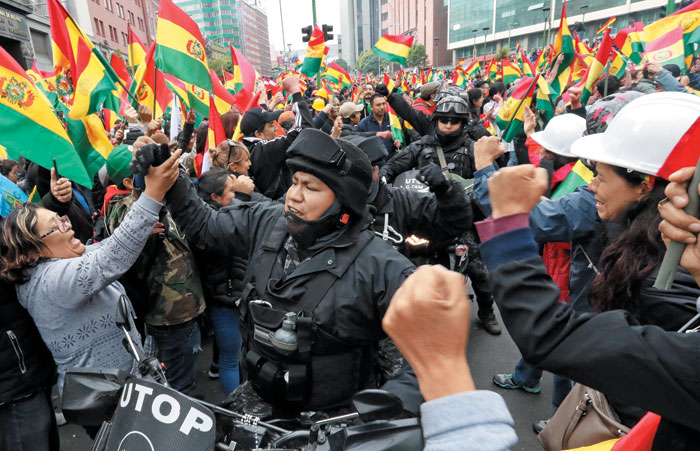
{"type": "Point", "coordinates": [219, 64]}
{"type": "Point", "coordinates": [368, 62]}
{"type": "Point", "coordinates": [342, 63]}
{"type": "Point", "coordinates": [417, 56]}
{"type": "Point", "coordinates": [502, 52]}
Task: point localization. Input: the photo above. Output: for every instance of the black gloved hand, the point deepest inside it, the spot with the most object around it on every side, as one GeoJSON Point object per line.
{"type": "Point", "coordinates": [147, 156]}
{"type": "Point", "coordinates": [432, 175]}
{"type": "Point", "coordinates": [382, 90]}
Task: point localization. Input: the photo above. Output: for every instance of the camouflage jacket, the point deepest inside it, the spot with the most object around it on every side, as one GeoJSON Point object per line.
{"type": "Point", "coordinates": [165, 272]}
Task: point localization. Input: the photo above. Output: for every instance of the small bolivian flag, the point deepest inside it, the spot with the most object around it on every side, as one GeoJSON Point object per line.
{"type": "Point", "coordinates": [393, 48]}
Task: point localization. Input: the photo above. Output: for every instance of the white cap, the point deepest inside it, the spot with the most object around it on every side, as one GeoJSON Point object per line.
{"type": "Point", "coordinates": [560, 133]}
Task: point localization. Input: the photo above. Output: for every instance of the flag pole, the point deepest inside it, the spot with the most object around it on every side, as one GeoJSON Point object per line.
{"type": "Point", "coordinates": [515, 114]}
{"type": "Point", "coordinates": [155, 88]}
{"type": "Point", "coordinates": [129, 43]}
{"type": "Point", "coordinates": [117, 80]}
{"type": "Point", "coordinates": [674, 250]}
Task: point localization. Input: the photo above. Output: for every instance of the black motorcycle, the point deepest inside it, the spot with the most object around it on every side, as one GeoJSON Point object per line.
{"type": "Point", "coordinates": [144, 413]}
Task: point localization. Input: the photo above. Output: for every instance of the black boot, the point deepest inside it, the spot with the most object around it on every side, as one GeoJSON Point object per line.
{"type": "Point", "coordinates": [490, 323]}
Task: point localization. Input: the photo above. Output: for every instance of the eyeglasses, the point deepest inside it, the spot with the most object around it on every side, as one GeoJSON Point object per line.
{"type": "Point", "coordinates": [62, 226]}
{"type": "Point", "coordinates": [450, 120]}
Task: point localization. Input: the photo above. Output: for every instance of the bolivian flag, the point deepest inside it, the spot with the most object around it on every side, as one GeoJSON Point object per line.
{"type": "Point", "coordinates": [508, 113]}
{"type": "Point", "coordinates": [216, 134]}
{"type": "Point", "coordinates": [395, 124]}
{"type": "Point", "coordinates": [149, 85]}
{"type": "Point", "coordinates": [618, 65]}
{"type": "Point", "coordinates": [606, 25]}
{"type": "Point", "coordinates": [245, 77]}
{"type": "Point", "coordinates": [668, 49]}
{"type": "Point", "coordinates": [136, 49]}
{"type": "Point", "coordinates": [528, 68]}
{"type": "Point", "coordinates": [94, 81]}
{"type": "Point", "coordinates": [180, 47]}
{"type": "Point", "coordinates": [89, 139]}
{"type": "Point", "coordinates": [579, 176]}
{"type": "Point", "coordinates": [223, 99]}
{"type": "Point", "coordinates": [563, 45]}
{"type": "Point", "coordinates": [595, 70]}
{"type": "Point", "coordinates": [314, 53]}
{"type": "Point", "coordinates": [393, 47]}
{"type": "Point", "coordinates": [458, 78]}
{"type": "Point", "coordinates": [29, 126]}
{"type": "Point", "coordinates": [688, 19]}
{"type": "Point", "coordinates": [229, 82]}
{"type": "Point", "coordinates": [629, 41]}
{"type": "Point", "coordinates": [543, 100]}
{"type": "Point", "coordinates": [337, 74]}
{"type": "Point", "coordinates": [492, 70]}
{"type": "Point", "coordinates": [472, 69]}
{"type": "Point", "coordinates": [64, 41]}
{"type": "Point", "coordinates": [510, 71]}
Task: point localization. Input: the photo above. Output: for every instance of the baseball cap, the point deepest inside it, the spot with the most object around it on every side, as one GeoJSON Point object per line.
{"type": "Point", "coordinates": [254, 119]}
{"type": "Point", "coordinates": [348, 108]}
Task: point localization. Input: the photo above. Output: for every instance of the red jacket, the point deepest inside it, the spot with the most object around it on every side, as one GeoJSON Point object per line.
{"type": "Point", "coordinates": [423, 106]}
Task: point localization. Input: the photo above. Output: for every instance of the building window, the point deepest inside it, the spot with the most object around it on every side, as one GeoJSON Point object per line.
{"type": "Point", "coordinates": [109, 5]}
{"type": "Point", "coordinates": [140, 23]}
{"type": "Point", "coordinates": [113, 34]}
{"type": "Point", "coordinates": [102, 28]}
{"type": "Point", "coordinates": [385, 17]}
{"type": "Point", "coordinates": [132, 19]}
{"type": "Point", "coordinates": [384, 2]}
{"type": "Point", "coordinates": [124, 39]}
{"type": "Point", "coordinates": [120, 10]}
{"type": "Point", "coordinates": [97, 26]}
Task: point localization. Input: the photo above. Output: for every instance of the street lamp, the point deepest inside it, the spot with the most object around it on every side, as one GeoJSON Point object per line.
{"type": "Point", "coordinates": [474, 31]}
{"type": "Point", "coordinates": [437, 50]}
{"type": "Point", "coordinates": [486, 29]}
{"type": "Point", "coordinates": [514, 24]}
{"type": "Point", "coordinates": [583, 8]}
{"type": "Point", "coordinates": [545, 10]}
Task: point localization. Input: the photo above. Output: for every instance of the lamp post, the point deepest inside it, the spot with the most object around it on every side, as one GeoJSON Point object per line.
{"type": "Point", "coordinates": [486, 29]}
{"type": "Point", "coordinates": [437, 50]}
{"type": "Point", "coordinates": [583, 8]}
{"type": "Point", "coordinates": [514, 24]}
{"type": "Point", "coordinates": [545, 10]}
{"type": "Point", "coordinates": [475, 31]}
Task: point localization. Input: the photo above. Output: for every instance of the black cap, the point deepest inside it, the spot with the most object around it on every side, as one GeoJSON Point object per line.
{"type": "Point", "coordinates": [338, 163]}
{"type": "Point", "coordinates": [373, 146]}
{"type": "Point", "coordinates": [674, 69]}
{"type": "Point", "coordinates": [254, 119]}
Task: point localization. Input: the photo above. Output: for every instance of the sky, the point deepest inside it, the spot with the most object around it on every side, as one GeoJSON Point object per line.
{"type": "Point", "coordinates": [297, 14]}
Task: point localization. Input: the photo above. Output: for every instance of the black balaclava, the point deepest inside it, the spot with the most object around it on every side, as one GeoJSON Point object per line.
{"type": "Point", "coordinates": [306, 233]}
{"type": "Point", "coordinates": [448, 138]}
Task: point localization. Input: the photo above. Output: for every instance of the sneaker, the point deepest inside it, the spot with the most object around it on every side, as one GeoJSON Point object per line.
{"type": "Point", "coordinates": [490, 323]}
{"type": "Point", "coordinates": [540, 425]}
{"type": "Point", "coordinates": [506, 381]}
{"type": "Point", "coordinates": [213, 371]}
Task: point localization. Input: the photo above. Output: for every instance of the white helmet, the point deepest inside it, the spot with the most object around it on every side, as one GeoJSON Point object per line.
{"type": "Point", "coordinates": [653, 134]}
{"type": "Point", "coordinates": [560, 132]}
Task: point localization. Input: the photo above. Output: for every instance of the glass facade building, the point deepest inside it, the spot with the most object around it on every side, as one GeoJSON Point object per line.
{"type": "Point", "coordinates": [483, 26]}
{"type": "Point", "coordinates": [217, 19]}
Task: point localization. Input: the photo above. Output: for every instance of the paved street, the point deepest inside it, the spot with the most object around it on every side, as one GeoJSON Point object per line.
{"type": "Point", "coordinates": [487, 355]}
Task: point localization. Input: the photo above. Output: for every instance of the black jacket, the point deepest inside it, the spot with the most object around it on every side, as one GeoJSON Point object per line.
{"type": "Point", "coordinates": [26, 365]}
{"type": "Point", "coordinates": [459, 155]}
{"type": "Point", "coordinates": [632, 364]}
{"type": "Point", "coordinates": [323, 122]}
{"type": "Point", "coordinates": [354, 306]}
{"type": "Point", "coordinates": [437, 218]}
{"type": "Point", "coordinates": [268, 169]}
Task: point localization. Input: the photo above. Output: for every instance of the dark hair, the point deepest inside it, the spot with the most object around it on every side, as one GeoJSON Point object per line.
{"type": "Point", "coordinates": [612, 88]}
{"type": "Point", "coordinates": [474, 95]}
{"type": "Point", "coordinates": [481, 83]}
{"type": "Point", "coordinates": [634, 254]}
{"type": "Point", "coordinates": [230, 120]}
{"type": "Point", "coordinates": [497, 88]}
{"type": "Point", "coordinates": [200, 140]}
{"type": "Point", "coordinates": [21, 245]}
{"type": "Point", "coordinates": [375, 96]}
{"type": "Point", "coordinates": [6, 167]}
{"type": "Point", "coordinates": [212, 182]}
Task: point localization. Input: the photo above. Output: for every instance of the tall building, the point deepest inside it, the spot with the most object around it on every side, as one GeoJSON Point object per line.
{"type": "Point", "coordinates": [424, 19]}
{"type": "Point", "coordinates": [111, 19]}
{"type": "Point", "coordinates": [255, 38]}
{"type": "Point", "coordinates": [216, 19]}
{"type": "Point", "coordinates": [359, 26]}
{"type": "Point", "coordinates": [483, 26]}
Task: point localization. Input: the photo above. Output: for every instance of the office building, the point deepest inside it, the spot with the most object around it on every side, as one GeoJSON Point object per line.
{"type": "Point", "coordinates": [360, 27]}
{"type": "Point", "coordinates": [255, 38]}
{"type": "Point", "coordinates": [217, 19]}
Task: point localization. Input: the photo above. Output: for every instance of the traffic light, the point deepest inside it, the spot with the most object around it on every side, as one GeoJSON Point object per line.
{"type": "Point", "coordinates": [327, 35]}
{"type": "Point", "coordinates": [306, 31]}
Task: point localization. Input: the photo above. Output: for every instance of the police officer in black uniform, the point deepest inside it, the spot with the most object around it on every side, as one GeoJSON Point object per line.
{"type": "Point", "coordinates": [449, 146]}
{"type": "Point", "coordinates": [321, 280]}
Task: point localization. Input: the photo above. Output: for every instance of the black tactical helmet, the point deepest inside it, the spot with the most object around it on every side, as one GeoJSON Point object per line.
{"type": "Point", "coordinates": [452, 106]}
{"type": "Point", "coordinates": [338, 163]}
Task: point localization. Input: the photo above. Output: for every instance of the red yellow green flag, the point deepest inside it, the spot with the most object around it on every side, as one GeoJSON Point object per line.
{"type": "Point", "coordinates": [512, 110]}
{"type": "Point", "coordinates": [244, 76]}
{"type": "Point", "coordinates": [180, 47]}
{"type": "Point", "coordinates": [668, 49]}
{"type": "Point", "coordinates": [136, 50]}
{"type": "Point", "coordinates": [223, 99]}
{"type": "Point", "coordinates": [472, 69]}
{"type": "Point", "coordinates": [314, 53]}
{"type": "Point", "coordinates": [579, 176]}
{"type": "Point", "coordinates": [229, 82]}
{"type": "Point", "coordinates": [528, 68]}
{"type": "Point", "coordinates": [595, 70]}
{"type": "Point", "coordinates": [393, 48]}
{"type": "Point", "coordinates": [389, 82]}
{"type": "Point", "coordinates": [510, 71]}
{"type": "Point", "coordinates": [688, 19]}
{"type": "Point", "coordinates": [149, 85]}
{"type": "Point", "coordinates": [395, 124]}
{"type": "Point", "coordinates": [543, 99]}
{"type": "Point", "coordinates": [563, 45]}
{"type": "Point", "coordinates": [606, 25]}
{"type": "Point", "coordinates": [618, 65]}
{"type": "Point", "coordinates": [629, 41]}
{"type": "Point", "coordinates": [492, 70]}
{"type": "Point", "coordinates": [216, 134]}
{"type": "Point", "coordinates": [29, 126]}
{"type": "Point", "coordinates": [337, 74]}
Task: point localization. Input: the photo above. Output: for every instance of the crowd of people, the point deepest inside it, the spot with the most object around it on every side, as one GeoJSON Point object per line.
{"type": "Point", "coordinates": [315, 223]}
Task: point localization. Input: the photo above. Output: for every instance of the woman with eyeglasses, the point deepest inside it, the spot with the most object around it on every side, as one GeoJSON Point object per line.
{"type": "Point", "coordinates": [70, 290]}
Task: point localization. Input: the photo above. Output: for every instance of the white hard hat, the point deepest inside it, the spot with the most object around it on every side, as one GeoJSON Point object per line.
{"type": "Point", "coordinates": [653, 134]}
{"type": "Point", "coordinates": [560, 132]}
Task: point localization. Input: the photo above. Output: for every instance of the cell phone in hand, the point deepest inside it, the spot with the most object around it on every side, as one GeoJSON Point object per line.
{"type": "Point", "coordinates": [55, 168]}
